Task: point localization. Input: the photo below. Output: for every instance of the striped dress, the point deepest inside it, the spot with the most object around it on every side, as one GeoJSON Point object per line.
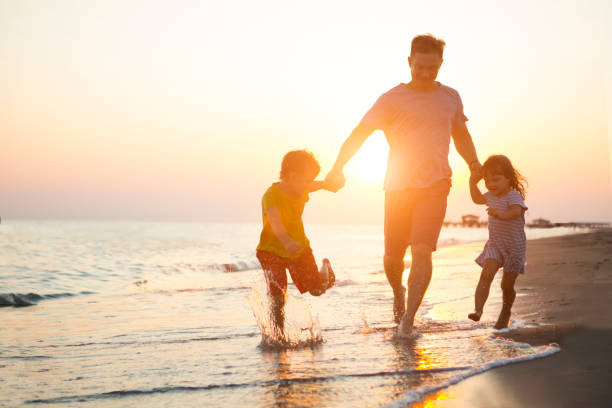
{"type": "Point", "coordinates": [507, 242]}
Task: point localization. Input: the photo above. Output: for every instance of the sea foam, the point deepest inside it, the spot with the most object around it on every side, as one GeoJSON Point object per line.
{"type": "Point", "coordinates": [420, 392]}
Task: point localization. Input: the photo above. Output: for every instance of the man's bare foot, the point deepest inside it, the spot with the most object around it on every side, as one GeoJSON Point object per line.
{"type": "Point", "coordinates": [503, 319]}
{"type": "Point", "coordinates": [405, 328]}
{"type": "Point", "coordinates": [475, 316]}
{"type": "Point", "coordinates": [399, 306]}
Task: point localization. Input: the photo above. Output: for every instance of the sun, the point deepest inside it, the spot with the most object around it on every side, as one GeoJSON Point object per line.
{"type": "Point", "coordinates": [370, 162]}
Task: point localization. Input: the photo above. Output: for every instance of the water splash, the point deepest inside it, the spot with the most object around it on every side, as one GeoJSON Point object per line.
{"type": "Point", "coordinates": [300, 330]}
{"type": "Point", "coordinates": [365, 328]}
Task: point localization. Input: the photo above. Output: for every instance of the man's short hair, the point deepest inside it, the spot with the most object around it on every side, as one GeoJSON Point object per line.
{"type": "Point", "coordinates": [300, 161]}
{"type": "Point", "coordinates": [427, 43]}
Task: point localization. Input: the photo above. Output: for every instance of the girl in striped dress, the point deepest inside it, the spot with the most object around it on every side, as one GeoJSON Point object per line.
{"type": "Point", "coordinates": [507, 244]}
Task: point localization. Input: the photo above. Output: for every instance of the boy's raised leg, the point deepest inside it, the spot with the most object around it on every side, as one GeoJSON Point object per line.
{"type": "Point", "coordinates": [328, 278]}
{"type": "Point", "coordinates": [329, 272]}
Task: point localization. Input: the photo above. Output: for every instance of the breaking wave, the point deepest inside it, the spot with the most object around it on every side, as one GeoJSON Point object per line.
{"type": "Point", "coordinates": [31, 299]}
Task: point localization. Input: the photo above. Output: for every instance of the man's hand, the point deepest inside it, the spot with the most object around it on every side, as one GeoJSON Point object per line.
{"type": "Point", "coordinates": [334, 181]}
{"type": "Point", "coordinates": [475, 168]}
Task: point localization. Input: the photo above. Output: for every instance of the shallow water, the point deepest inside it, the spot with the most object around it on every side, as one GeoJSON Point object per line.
{"type": "Point", "coordinates": [147, 313]}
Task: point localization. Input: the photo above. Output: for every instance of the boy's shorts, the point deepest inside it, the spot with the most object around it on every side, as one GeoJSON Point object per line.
{"type": "Point", "coordinates": [303, 270]}
{"type": "Point", "coordinates": [414, 216]}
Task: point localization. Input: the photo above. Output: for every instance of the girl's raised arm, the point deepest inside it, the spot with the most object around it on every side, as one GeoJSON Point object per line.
{"type": "Point", "coordinates": [477, 196]}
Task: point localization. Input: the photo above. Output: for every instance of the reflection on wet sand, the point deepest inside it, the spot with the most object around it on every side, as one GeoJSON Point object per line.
{"type": "Point", "coordinates": [288, 390]}
{"type": "Point", "coordinates": [295, 380]}
{"type": "Point", "coordinates": [418, 354]}
{"type": "Point", "coordinates": [411, 355]}
{"type": "Point", "coordinates": [431, 401]}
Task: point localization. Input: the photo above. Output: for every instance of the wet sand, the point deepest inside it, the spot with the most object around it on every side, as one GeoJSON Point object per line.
{"type": "Point", "coordinates": [565, 297]}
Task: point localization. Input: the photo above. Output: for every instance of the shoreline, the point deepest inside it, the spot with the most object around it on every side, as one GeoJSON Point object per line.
{"type": "Point", "coordinates": [564, 297]}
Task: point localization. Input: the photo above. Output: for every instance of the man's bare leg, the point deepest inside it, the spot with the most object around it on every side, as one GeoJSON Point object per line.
{"type": "Point", "coordinates": [418, 282]}
{"type": "Point", "coordinates": [489, 269]}
{"type": "Point", "coordinates": [394, 269]}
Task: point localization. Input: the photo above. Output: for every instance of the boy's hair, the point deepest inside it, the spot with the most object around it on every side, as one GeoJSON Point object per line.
{"type": "Point", "coordinates": [427, 43]}
{"type": "Point", "coordinates": [500, 164]}
{"type": "Point", "coordinates": [299, 161]}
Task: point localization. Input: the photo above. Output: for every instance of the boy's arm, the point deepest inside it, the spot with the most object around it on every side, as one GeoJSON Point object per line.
{"type": "Point", "coordinates": [279, 230]}
{"type": "Point", "coordinates": [514, 211]}
{"type": "Point", "coordinates": [319, 185]}
{"type": "Point", "coordinates": [477, 196]}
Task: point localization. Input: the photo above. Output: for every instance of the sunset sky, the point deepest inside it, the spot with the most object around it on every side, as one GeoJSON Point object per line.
{"type": "Point", "coordinates": [182, 110]}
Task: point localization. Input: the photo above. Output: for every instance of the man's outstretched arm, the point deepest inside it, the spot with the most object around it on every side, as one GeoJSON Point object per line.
{"type": "Point", "coordinates": [465, 146]}
{"type": "Point", "coordinates": [350, 146]}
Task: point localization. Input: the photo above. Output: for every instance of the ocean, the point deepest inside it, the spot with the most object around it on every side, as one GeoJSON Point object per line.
{"type": "Point", "coordinates": [115, 314]}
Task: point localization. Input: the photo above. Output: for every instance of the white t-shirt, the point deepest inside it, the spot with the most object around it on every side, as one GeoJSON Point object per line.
{"type": "Point", "coordinates": [418, 127]}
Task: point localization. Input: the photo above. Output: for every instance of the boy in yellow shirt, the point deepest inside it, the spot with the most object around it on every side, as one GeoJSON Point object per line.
{"type": "Point", "coordinates": [283, 243]}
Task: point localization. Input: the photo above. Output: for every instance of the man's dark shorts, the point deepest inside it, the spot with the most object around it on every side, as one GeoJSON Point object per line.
{"type": "Point", "coordinates": [414, 216]}
{"type": "Point", "coordinates": [303, 270]}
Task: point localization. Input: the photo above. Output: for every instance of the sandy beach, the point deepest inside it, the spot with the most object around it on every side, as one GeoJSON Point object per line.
{"type": "Point", "coordinates": [564, 297]}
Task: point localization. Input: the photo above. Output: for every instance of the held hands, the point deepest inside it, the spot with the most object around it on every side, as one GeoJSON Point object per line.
{"type": "Point", "coordinates": [334, 181]}
{"type": "Point", "coordinates": [475, 177]}
{"type": "Point", "coordinates": [475, 167]}
{"type": "Point", "coordinates": [475, 173]}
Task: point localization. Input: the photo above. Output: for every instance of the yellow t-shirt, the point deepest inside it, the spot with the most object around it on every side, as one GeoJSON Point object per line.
{"type": "Point", "coordinates": [290, 211]}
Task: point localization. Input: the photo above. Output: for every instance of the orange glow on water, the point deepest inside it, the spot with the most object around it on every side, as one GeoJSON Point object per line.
{"type": "Point", "coordinates": [427, 360]}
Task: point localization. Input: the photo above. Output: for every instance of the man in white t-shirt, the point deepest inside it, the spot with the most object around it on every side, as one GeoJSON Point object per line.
{"type": "Point", "coordinates": [418, 118]}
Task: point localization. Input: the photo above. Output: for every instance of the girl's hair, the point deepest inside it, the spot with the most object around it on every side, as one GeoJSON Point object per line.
{"type": "Point", "coordinates": [299, 161]}
{"type": "Point", "coordinates": [500, 164]}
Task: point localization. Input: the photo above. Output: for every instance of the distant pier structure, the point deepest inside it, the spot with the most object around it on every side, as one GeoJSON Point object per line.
{"type": "Point", "coordinates": [544, 223]}
{"type": "Point", "coordinates": [470, 221]}
{"type": "Point", "coordinates": [540, 223]}
{"type": "Point", "coordinates": [583, 224]}
{"type": "Point", "coordinates": [473, 221]}
{"type": "Point", "coordinates": [467, 221]}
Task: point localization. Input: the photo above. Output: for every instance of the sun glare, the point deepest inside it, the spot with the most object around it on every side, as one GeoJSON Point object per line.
{"type": "Point", "coordinates": [370, 163]}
